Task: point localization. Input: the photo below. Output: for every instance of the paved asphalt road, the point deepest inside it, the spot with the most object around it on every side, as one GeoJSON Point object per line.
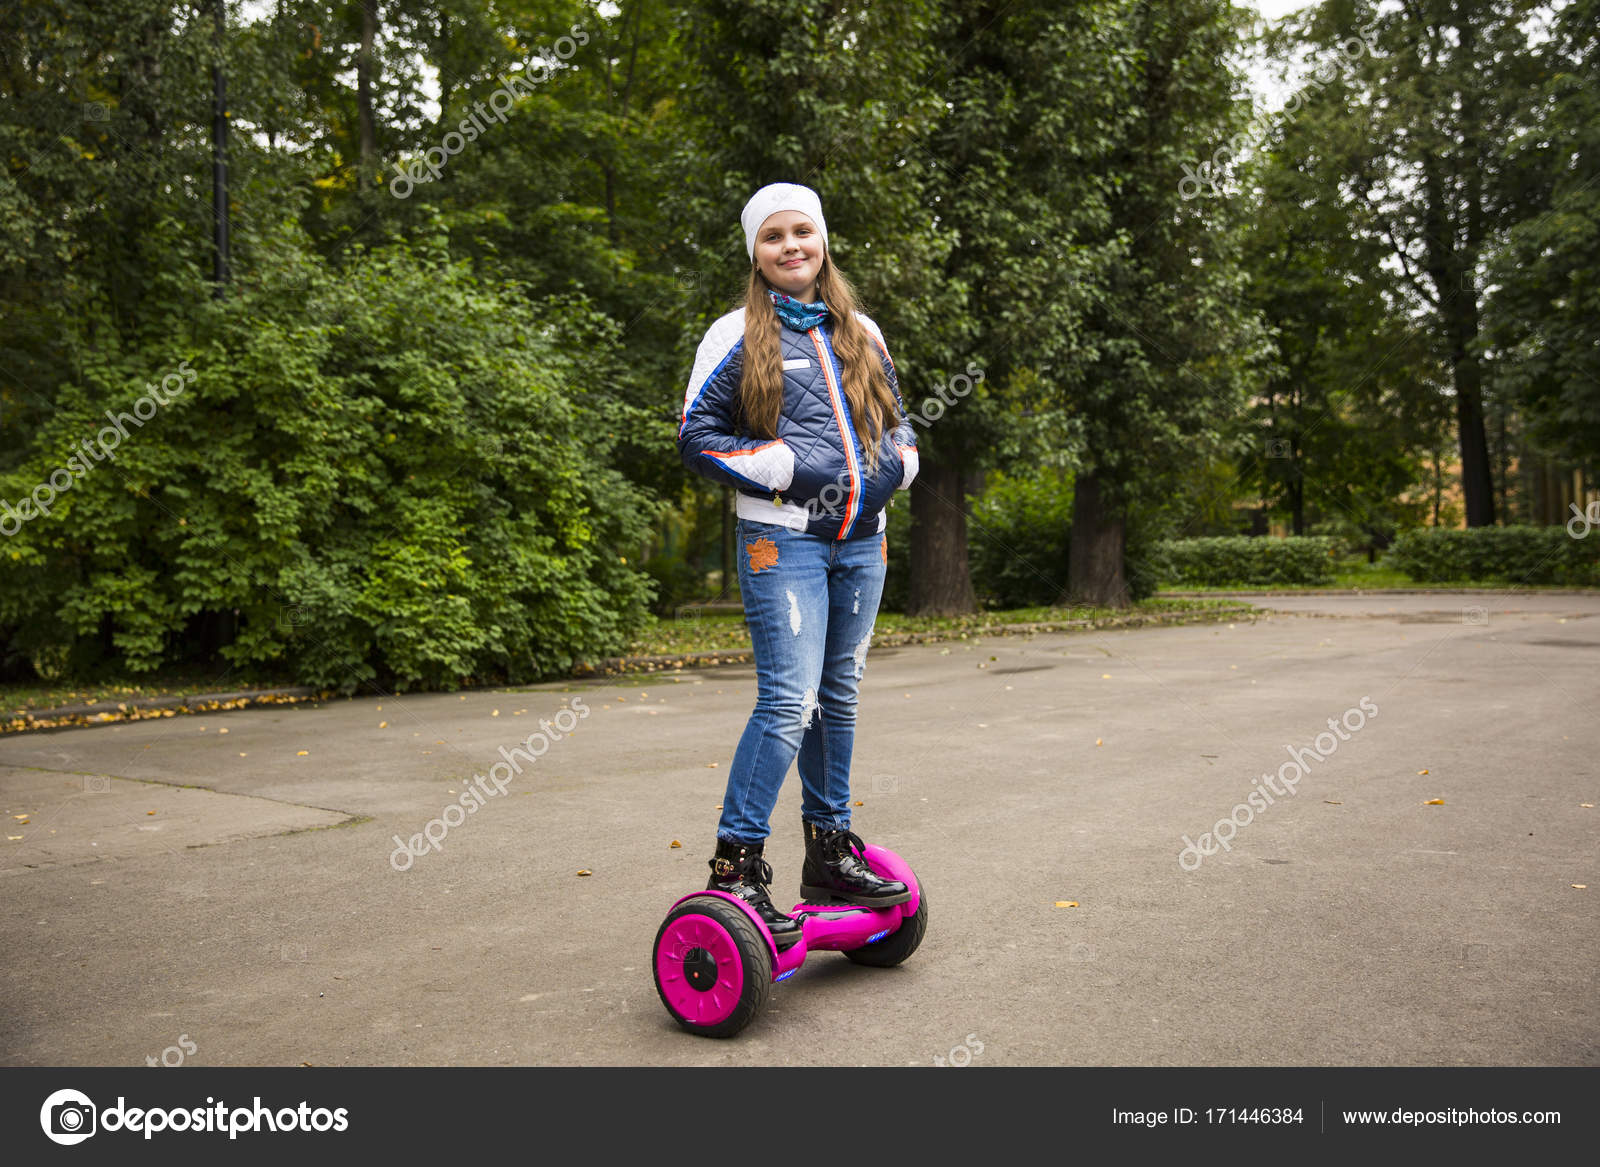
{"type": "Point", "coordinates": [228, 882]}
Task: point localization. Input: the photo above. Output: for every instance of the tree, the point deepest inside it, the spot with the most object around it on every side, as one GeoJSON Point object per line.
{"type": "Point", "coordinates": [1544, 310]}
{"type": "Point", "coordinates": [841, 100]}
{"type": "Point", "coordinates": [1437, 91]}
{"type": "Point", "coordinates": [1339, 431]}
{"type": "Point", "coordinates": [1168, 347]}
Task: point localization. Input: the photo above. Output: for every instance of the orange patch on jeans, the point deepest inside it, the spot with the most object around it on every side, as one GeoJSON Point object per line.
{"type": "Point", "coordinates": [763, 553]}
{"type": "Point", "coordinates": [884, 547]}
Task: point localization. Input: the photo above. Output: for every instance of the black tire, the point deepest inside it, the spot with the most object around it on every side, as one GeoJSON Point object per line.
{"type": "Point", "coordinates": [899, 944]}
{"type": "Point", "coordinates": [754, 954]}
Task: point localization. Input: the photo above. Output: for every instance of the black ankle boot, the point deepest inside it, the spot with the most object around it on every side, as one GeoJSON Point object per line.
{"type": "Point", "coordinates": [833, 871]}
{"type": "Point", "coordinates": [739, 870]}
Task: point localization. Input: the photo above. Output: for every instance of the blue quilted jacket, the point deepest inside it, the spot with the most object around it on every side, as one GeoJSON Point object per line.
{"type": "Point", "coordinates": [813, 477]}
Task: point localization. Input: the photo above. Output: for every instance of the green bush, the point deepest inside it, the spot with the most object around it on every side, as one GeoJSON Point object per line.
{"type": "Point", "coordinates": [1145, 562]}
{"type": "Point", "coordinates": [397, 475]}
{"type": "Point", "coordinates": [1240, 560]}
{"type": "Point", "coordinates": [1017, 539]}
{"type": "Point", "coordinates": [1017, 544]}
{"type": "Point", "coordinates": [1516, 555]}
{"type": "Point", "coordinates": [677, 581]}
{"type": "Point", "coordinates": [897, 577]}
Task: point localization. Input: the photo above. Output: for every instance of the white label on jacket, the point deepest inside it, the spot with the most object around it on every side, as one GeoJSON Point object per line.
{"type": "Point", "coordinates": [796, 363]}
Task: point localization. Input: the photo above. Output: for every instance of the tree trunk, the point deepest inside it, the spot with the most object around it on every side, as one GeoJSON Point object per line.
{"type": "Point", "coordinates": [1297, 493]}
{"type": "Point", "coordinates": [367, 166]}
{"type": "Point", "coordinates": [1096, 550]}
{"type": "Point", "coordinates": [1502, 459]}
{"type": "Point", "coordinates": [1477, 484]}
{"type": "Point", "coordinates": [1438, 486]}
{"type": "Point", "coordinates": [941, 585]}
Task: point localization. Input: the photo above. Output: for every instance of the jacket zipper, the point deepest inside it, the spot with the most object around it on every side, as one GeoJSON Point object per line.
{"type": "Point", "coordinates": [846, 432]}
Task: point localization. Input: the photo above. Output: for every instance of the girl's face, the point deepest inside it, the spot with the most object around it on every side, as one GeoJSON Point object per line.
{"type": "Point", "coordinates": [789, 252]}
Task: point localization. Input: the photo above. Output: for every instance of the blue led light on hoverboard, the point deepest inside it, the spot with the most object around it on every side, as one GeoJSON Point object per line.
{"type": "Point", "coordinates": [877, 936]}
{"type": "Point", "coordinates": [783, 976]}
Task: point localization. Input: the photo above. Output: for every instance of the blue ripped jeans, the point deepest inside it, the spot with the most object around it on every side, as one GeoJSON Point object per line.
{"type": "Point", "coordinates": [810, 604]}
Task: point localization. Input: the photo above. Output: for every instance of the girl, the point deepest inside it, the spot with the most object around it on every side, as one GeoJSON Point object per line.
{"type": "Point", "coordinates": [795, 403]}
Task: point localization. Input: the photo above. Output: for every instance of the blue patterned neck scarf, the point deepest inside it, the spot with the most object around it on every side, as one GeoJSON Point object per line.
{"type": "Point", "coordinates": [797, 314]}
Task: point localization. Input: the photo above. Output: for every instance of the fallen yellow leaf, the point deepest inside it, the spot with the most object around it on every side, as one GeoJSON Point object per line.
{"type": "Point", "coordinates": [1434, 802]}
{"type": "Point", "coordinates": [496, 713]}
{"type": "Point", "coordinates": [1331, 802]}
{"type": "Point", "coordinates": [301, 753]}
{"type": "Point", "coordinates": [244, 755]}
{"type": "Point", "coordinates": [1105, 676]}
{"type": "Point", "coordinates": [1097, 741]}
{"type": "Point", "coordinates": [584, 871]}
{"type": "Point", "coordinates": [20, 816]}
{"type": "Point", "coordinates": [1066, 903]}
{"type": "Point", "coordinates": [1589, 805]}
{"type": "Point", "coordinates": [674, 843]}
{"type": "Point", "coordinates": [1580, 886]}
{"type": "Point", "coordinates": [858, 802]}
{"type": "Point", "coordinates": [14, 838]}
{"type": "Point", "coordinates": [1421, 771]}
{"type": "Point", "coordinates": [149, 812]}
{"type": "Point", "coordinates": [222, 731]}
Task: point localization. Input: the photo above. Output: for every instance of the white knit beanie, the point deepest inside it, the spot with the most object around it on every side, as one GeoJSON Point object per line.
{"type": "Point", "coordinates": [780, 196]}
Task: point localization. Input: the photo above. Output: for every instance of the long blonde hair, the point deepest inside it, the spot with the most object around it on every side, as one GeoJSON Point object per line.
{"type": "Point", "coordinates": [866, 386]}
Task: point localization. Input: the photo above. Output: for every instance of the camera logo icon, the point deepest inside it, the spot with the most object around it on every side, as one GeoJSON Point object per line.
{"type": "Point", "coordinates": [68, 1117]}
{"type": "Point", "coordinates": [1279, 448]}
{"type": "Point", "coordinates": [1475, 615]}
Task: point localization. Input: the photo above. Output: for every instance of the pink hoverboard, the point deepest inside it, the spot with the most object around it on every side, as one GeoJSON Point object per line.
{"type": "Point", "coordinates": [715, 962]}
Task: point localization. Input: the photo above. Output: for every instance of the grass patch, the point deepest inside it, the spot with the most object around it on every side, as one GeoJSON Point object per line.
{"type": "Point", "coordinates": [725, 631]}
{"type": "Point", "coordinates": [22, 697]}
{"type": "Point", "coordinates": [692, 632]}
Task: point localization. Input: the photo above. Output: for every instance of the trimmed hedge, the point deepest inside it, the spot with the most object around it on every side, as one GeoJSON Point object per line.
{"type": "Point", "coordinates": [1251, 561]}
{"type": "Point", "coordinates": [1517, 555]}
